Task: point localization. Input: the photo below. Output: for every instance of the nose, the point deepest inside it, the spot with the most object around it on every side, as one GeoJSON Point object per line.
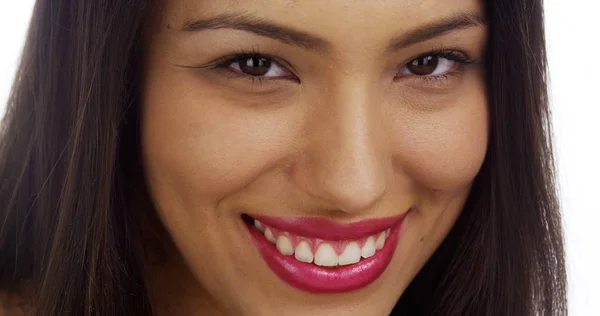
{"type": "Point", "coordinates": [344, 161]}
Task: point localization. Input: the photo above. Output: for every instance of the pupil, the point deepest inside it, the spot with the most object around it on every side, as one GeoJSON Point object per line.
{"type": "Point", "coordinates": [423, 65]}
{"type": "Point", "coordinates": [255, 66]}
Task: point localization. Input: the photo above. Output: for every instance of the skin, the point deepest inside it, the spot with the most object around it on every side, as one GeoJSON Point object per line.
{"type": "Point", "coordinates": [351, 139]}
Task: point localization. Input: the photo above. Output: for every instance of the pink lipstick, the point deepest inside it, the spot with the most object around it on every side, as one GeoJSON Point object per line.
{"type": "Point", "coordinates": [323, 256]}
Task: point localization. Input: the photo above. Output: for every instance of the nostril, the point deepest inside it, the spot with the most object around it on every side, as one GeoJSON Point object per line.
{"type": "Point", "coordinates": [357, 193]}
{"type": "Point", "coordinates": [348, 175]}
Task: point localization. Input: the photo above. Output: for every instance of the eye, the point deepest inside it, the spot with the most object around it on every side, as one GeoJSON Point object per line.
{"type": "Point", "coordinates": [256, 65]}
{"type": "Point", "coordinates": [430, 65]}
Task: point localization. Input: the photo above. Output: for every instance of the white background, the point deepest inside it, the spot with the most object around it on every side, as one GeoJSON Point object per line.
{"type": "Point", "coordinates": [573, 34]}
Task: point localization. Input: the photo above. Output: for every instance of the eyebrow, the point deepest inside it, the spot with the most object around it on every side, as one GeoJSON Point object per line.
{"type": "Point", "coordinates": [318, 44]}
{"type": "Point", "coordinates": [261, 27]}
{"type": "Point", "coordinates": [442, 27]}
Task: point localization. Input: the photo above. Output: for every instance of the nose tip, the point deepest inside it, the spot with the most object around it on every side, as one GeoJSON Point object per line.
{"type": "Point", "coordinates": [351, 184]}
{"type": "Point", "coordinates": [351, 188]}
{"type": "Point", "coordinates": [345, 162]}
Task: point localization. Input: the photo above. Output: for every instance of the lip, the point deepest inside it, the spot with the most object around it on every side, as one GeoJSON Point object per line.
{"type": "Point", "coordinates": [325, 229]}
{"type": "Point", "coordinates": [312, 278]}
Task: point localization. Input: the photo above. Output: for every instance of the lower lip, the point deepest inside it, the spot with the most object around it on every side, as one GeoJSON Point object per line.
{"type": "Point", "coordinates": [315, 279]}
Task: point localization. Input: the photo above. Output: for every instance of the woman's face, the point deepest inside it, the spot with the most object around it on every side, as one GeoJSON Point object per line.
{"type": "Point", "coordinates": [352, 130]}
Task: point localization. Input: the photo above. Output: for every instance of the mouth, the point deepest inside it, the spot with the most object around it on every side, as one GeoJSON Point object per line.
{"type": "Point", "coordinates": [322, 256]}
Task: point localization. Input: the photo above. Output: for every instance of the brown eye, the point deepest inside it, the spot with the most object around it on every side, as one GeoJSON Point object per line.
{"type": "Point", "coordinates": [429, 65]}
{"type": "Point", "coordinates": [423, 66]}
{"type": "Point", "coordinates": [255, 65]}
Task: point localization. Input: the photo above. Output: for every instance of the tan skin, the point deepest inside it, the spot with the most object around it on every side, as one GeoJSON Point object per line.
{"type": "Point", "coordinates": [345, 133]}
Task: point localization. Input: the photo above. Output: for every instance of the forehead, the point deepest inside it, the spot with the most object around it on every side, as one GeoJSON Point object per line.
{"type": "Point", "coordinates": [320, 8]}
{"type": "Point", "coordinates": [340, 21]}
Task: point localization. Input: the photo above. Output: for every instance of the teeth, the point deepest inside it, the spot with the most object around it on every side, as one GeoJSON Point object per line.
{"type": "Point", "coordinates": [269, 235]}
{"type": "Point", "coordinates": [259, 226]}
{"type": "Point", "coordinates": [350, 255]}
{"type": "Point", "coordinates": [326, 256]}
{"type": "Point", "coordinates": [284, 245]}
{"type": "Point", "coordinates": [303, 252]}
{"type": "Point", "coordinates": [380, 241]}
{"type": "Point", "coordinates": [368, 249]}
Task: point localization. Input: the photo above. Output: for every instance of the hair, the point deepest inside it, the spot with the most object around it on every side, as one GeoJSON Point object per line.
{"type": "Point", "coordinates": [71, 242]}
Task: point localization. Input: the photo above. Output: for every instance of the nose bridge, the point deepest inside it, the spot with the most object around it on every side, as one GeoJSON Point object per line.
{"type": "Point", "coordinates": [346, 159]}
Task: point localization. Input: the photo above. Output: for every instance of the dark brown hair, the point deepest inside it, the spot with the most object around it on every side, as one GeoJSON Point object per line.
{"type": "Point", "coordinates": [70, 243]}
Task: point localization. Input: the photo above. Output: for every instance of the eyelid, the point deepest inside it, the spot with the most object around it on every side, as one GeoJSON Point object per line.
{"type": "Point", "coordinates": [274, 67]}
{"type": "Point", "coordinates": [461, 59]}
{"type": "Point", "coordinates": [225, 62]}
{"type": "Point", "coordinates": [452, 55]}
{"type": "Point", "coordinates": [224, 66]}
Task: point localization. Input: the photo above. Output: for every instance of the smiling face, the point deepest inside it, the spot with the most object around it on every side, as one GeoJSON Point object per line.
{"type": "Point", "coordinates": [351, 129]}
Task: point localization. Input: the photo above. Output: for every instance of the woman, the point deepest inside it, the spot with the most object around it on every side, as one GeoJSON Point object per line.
{"type": "Point", "coordinates": [281, 158]}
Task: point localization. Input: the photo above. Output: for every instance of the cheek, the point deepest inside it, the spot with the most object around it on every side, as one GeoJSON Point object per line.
{"type": "Point", "coordinates": [444, 150]}
{"type": "Point", "coordinates": [200, 144]}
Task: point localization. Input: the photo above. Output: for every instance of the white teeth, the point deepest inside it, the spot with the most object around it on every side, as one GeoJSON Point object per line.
{"type": "Point", "coordinates": [351, 254]}
{"type": "Point", "coordinates": [259, 226]}
{"type": "Point", "coordinates": [326, 256]}
{"type": "Point", "coordinates": [380, 241]}
{"type": "Point", "coordinates": [269, 235]}
{"type": "Point", "coordinates": [303, 252]}
{"type": "Point", "coordinates": [368, 249]}
{"type": "Point", "coordinates": [284, 245]}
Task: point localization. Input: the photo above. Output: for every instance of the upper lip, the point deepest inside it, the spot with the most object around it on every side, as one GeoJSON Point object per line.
{"type": "Point", "coordinates": [326, 229]}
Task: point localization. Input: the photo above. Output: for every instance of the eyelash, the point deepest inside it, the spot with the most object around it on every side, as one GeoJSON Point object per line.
{"type": "Point", "coordinates": [462, 59]}
{"type": "Point", "coordinates": [224, 64]}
